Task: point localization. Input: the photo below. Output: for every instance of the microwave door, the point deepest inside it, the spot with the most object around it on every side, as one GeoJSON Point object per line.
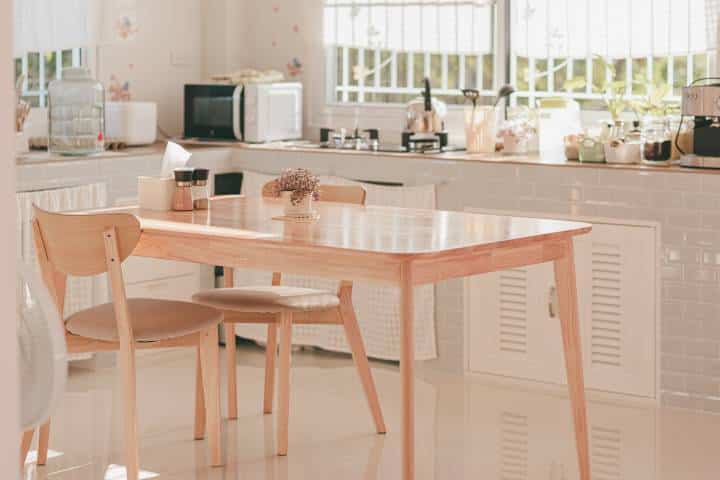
{"type": "Point", "coordinates": [213, 112]}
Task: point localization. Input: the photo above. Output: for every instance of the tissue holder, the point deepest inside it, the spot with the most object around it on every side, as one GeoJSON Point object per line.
{"type": "Point", "coordinates": [156, 193]}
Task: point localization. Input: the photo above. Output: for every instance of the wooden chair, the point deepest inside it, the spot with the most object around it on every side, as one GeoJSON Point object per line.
{"type": "Point", "coordinates": [83, 245]}
{"type": "Point", "coordinates": [282, 306]}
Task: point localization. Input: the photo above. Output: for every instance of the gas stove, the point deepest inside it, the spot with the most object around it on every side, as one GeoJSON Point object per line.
{"type": "Point", "coordinates": [369, 140]}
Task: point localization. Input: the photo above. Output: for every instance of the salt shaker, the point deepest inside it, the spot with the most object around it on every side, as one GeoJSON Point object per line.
{"type": "Point", "coordinates": [200, 192]}
{"type": "Point", "coordinates": [182, 198]}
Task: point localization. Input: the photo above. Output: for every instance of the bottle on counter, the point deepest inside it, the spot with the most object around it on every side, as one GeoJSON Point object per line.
{"type": "Point", "coordinates": [182, 198]}
{"type": "Point", "coordinates": [200, 193]}
{"type": "Point", "coordinates": [656, 142]}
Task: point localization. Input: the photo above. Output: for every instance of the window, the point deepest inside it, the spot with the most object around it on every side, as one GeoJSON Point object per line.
{"type": "Point", "coordinates": [380, 51]}
{"type": "Point", "coordinates": [39, 69]}
{"type": "Point", "coordinates": [647, 43]}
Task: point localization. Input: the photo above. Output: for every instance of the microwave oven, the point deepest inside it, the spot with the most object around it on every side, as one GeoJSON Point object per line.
{"type": "Point", "coordinates": [254, 113]}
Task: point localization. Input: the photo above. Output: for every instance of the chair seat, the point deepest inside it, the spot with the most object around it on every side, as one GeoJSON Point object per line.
{"type": "Point", "coordinates": [267, 299]}
{"type": "Point", "coordinates": [152, 320]}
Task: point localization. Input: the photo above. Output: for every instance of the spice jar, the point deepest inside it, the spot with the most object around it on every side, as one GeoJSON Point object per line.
{"type": "Point", "coordinates": [591, 149]}
{"type": "Point", "coordinates": [200, 192]}
{"type": "Point", "coordinates": [182, 198]}
{"type": "Point", "coordinates": [656, 146]}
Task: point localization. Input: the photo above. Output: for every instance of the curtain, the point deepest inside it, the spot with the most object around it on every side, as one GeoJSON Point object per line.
{"type": "Point", "coordinates": [42, 25]}
{"type": "Point", "coordinates": [447, 26]}
{"type": "Point", "coordinates": [612, 28]}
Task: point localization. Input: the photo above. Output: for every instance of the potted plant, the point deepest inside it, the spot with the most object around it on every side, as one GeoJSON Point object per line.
{"type": "Point", "coordinates": [297, 188]}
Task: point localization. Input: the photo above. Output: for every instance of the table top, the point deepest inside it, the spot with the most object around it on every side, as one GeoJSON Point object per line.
{"type": "Point", "coordinates": [370, 229]}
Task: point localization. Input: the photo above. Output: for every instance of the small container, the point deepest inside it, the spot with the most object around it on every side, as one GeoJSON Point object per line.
{"type": "Point", "coordinates": [156, 193]}
{"type": "Point", "coordinates": [591, 150]}
{"type": "Point", "coordinates": [481, 129]}
{"type": "Point", "coordinates": [182, 198]}
{"type": "Point", "coordinates": [657, 142]}
{"type": "Point", "coordinates": [200, 193]}
{"type": "Point", "coordinates": [572, 146]}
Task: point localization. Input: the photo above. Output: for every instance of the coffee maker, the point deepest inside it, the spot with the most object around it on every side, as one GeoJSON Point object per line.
{"type": "Point", "coordinates": [703, 103]}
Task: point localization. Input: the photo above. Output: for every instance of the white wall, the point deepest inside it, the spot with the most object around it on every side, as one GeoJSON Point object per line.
{"type": "Point", "coordinates": [9, 432]}
{"type": "Point", "coordinates": [166, 53]}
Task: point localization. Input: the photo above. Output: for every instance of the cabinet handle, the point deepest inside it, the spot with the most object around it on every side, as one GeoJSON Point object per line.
{"type": "Point", "coordinates": [552, 302]}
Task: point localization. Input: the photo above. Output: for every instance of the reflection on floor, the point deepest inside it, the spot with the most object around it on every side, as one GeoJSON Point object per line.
{"type": "Point", "coordinates": [466, 429]}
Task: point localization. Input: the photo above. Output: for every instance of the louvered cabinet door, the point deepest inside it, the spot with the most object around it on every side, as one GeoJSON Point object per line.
{"type": "Point", "coordinates": [617, 296]}
{"type": "Point", "coordinates": [514, 331]}
{"type": "Point", "coordinates": [509, 330]}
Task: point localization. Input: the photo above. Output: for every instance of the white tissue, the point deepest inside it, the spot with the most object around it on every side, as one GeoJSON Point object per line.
{"type": "Point", "coordinates": [175, 157]}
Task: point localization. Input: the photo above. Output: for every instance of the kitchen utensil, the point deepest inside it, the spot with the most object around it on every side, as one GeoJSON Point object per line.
{"type": "Point", "coordinates": [505, 91]}
{"type": "Point", "coordinates": [425, 114]}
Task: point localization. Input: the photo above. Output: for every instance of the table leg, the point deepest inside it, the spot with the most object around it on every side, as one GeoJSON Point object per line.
{"type": "Point", "coordinates": [567, 299]}
{"type": "Point", "coordinates": [407, 372]}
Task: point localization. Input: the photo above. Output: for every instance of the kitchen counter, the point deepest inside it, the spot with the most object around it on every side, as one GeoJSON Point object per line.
{"type": "Point", "coordinates": [552, 159]}
{"type": "Point", "coordinates": [43, 156]}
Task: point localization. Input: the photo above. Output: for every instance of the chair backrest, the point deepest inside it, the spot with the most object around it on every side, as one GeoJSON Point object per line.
{"type": "Point", "coordinates": [352, 194]}
{"type": "Point", "coordinates": [82, 245]}
{"type": "Point", "coordinates": [75, 244]}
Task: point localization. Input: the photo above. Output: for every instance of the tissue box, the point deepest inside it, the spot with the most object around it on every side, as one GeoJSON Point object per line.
{"type": "Point", "coordinates": [156, 193]}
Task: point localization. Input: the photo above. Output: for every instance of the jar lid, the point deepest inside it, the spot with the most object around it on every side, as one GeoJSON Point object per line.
{"type": "Point", "coordinates": [201, 174]}
{"type": "Point", "coordinates": [183, 174]}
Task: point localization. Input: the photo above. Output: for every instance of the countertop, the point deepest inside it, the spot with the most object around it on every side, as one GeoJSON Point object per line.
{"type": "Point", "coordinates": [551, 159]}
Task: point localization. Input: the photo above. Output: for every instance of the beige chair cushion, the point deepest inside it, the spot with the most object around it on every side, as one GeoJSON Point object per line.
{"type": "Point", "coordinates": [151, 319]}
{"type": "Point", "coordinates": [267, 299]}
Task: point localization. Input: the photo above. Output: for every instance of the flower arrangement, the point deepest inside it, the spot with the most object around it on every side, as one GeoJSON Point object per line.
{"type": "Point", "coordinates": [301, 182]}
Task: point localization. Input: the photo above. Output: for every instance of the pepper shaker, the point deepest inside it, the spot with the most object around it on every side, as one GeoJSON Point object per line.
{"type": "Point", "coordinates": [200, 192]}
{"type": "Point", "coordinates": [182, 198]}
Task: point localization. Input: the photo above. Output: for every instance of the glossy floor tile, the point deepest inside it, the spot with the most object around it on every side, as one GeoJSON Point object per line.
{"type": "Point", "coordinates": [466, 429]}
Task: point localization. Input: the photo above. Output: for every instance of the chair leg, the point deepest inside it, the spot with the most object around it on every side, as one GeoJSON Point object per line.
{"type": "Point", "coordinates": [284, 382]}
{"type": "Point", "coordinates": [43, 443]}
{"type": "Point", "coordinates": [199, 432]}
{"type": "Point", "coordinates": [210, 358]}
{"type": "Point", "coordinates": [27, 437]}
{"type": "Point", "coordinates": [127, 373]}
{"type": "Point", "coordinates": [270, 354]}
{"type": "Point", "coordinates": [231, 365]}
{"type": "Point", "coordinates": [354, 339]}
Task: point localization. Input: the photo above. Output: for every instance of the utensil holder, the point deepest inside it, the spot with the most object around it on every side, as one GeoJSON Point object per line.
{"type": "Point", "coordinates": [156, 193]}
{"type": "Point", "coordinates": [481, 129]}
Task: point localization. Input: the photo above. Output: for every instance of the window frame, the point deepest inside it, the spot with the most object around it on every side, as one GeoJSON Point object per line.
{"type": "Point", "coordinates": [505, 69]}
{"type": "Point", "coordinates": [79, 58]}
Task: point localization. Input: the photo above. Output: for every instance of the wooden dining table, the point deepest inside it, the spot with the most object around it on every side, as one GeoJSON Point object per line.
{"type": "Point", "coordinates": [395, 246]}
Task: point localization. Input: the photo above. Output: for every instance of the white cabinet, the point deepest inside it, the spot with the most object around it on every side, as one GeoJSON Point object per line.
{"type": "Point", "coordinates": [513, 329]}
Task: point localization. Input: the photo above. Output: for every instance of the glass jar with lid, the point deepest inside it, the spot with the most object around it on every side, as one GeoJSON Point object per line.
{"type": "Point", "coordinates": [656, 141]}
{"type": "Point", "coordinates": [76, 124]}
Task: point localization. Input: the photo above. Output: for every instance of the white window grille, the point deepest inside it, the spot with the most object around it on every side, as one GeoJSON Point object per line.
{"type": "Point", "coordinates": [380, 51]}
{"type": "Point", "coordinates": [660, 41]}
{"type": "Point", "coordinates": [39, 69]}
